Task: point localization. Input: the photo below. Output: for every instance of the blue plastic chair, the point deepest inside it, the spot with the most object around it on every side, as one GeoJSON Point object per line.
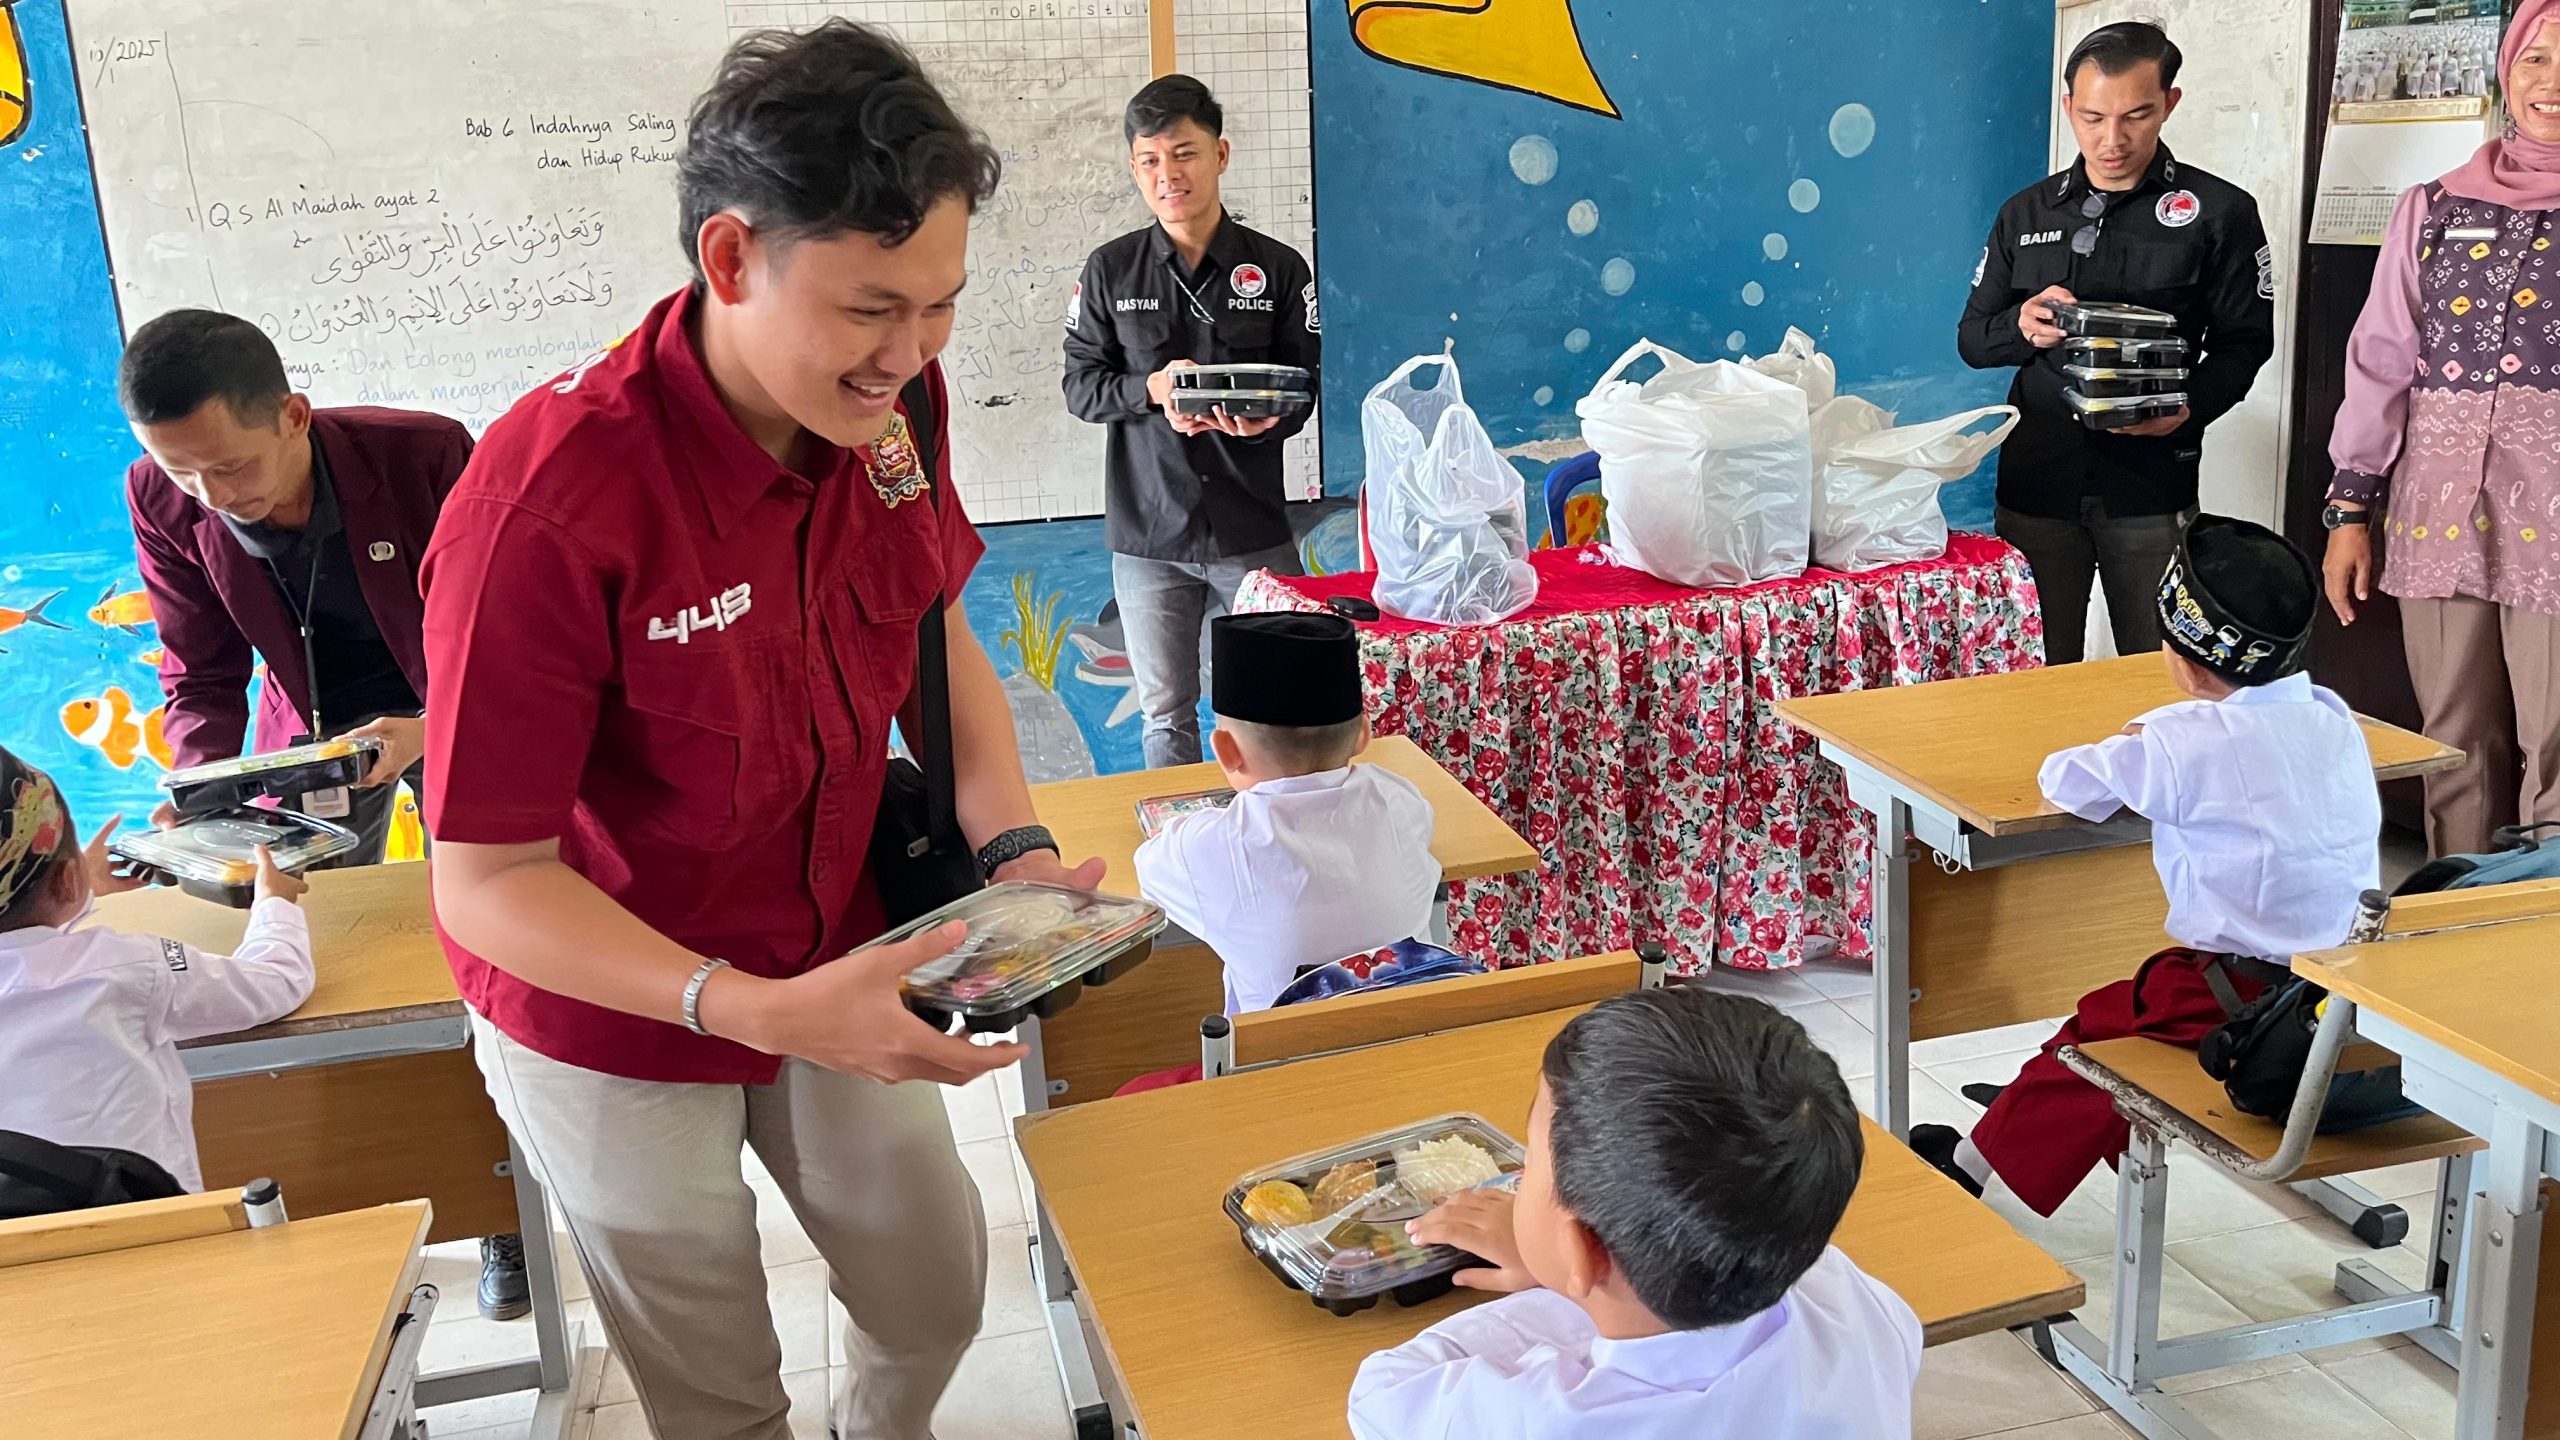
{"type": "Point", "coordinates": [1567, 477]}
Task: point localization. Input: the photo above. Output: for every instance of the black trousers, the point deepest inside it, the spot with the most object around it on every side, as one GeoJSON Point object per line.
{"type": "Point", "coordinates": [2127, 556]}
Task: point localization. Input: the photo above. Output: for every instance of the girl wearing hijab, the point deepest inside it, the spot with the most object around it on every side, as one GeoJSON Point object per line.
{"type": "Point", "coordinates": [2449, 443]}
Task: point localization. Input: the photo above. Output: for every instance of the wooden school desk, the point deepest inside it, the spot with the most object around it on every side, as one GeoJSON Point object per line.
{"type": "Point", "coordinates": [1981, 938]}
{"type": "Point", "coordinates": [366, 1094]}
{"type": "Point", "coordinates": [171, 1317]}
{"type": "Point", "coordinates": [1204, 1343]}
{"type": "Point", "coordinates": [1150, 1020]}
{"type": "Point", "coordinates": [2474, 1015]}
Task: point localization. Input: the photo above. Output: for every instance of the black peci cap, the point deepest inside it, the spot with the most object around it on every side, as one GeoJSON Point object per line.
{"type": "Point", "coordinates": [2238, 599]}
{"type": "Point", "coordinates": [1285, 668]}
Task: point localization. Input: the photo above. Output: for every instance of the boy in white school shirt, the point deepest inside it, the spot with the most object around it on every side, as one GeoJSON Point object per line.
{"type": "Point", "coordinates": [90, 1019]}
{"type": "Point", "coordinates": [1689, 1156]}
{"type": "Point", "coordinates": [2264, 828]}
{"type": "Point", "coordinates": [1317, 858]}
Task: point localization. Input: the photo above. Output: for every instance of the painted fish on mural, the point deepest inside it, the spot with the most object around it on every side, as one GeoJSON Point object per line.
{"type": "Point", "coordinates": [108, 723]}
{"type": "Point", "coordinates": [1106, 660]}
{"type": "Point", "coordinates": [408, 839]}
{"type": "Point", "coordinates": [1531, 46]}
{"type": "Point", "coordinates": [17, 102]}
{"type": "Point", "coordinates": [151, 657]}
{"type": "Point", "coordinates": [127, 612]}
{"type": "Point", "coordinates": [32, 615]}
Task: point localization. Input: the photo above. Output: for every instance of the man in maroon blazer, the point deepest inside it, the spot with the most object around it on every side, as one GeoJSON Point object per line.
{"type": "Point", "coordinates": [269, 530]}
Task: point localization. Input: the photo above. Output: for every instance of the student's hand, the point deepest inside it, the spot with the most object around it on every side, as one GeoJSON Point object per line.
{"type": "Point", "coordinates": [103, 879]}
{"type": "Point", "coordinates": [1478, 1222]}
{"type": "Point", "coordinates": [404, 741]}
{"type": "Point", "coordinates": [1226, 424]}
{"type": "Point", "coordinates": [2346, 569]}
{"type": "Point", "coordinates": [1044, 867]}
{"type": "Point", "coordinates": [274, 884]}
{"type": "Point", "coordinates": [164, 816]}
{"type": "Point", "coordinates": [2035, 318]}
{"type": "Point", "coordinates": [2158, 425]}
{"type": "Point", "coordinates": [846, 1015]}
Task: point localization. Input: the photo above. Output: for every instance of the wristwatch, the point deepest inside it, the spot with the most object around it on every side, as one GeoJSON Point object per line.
{"type": "Point", "coordinates": [2331, 517]}
{"type": "Point", "coordinates": [1013, 844]}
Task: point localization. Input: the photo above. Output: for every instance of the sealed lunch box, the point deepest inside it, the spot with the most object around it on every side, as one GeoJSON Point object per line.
{"type": "Point", "coordinates": [2100, 413]}
{"type": "Point", "coordinates": [1332, 1223]}
{"type": "Point", "coordinates": [214, 856]}
{"type": "Point", "coordinates": [278, 774]}
{"type": "Point", "coordinates": [2110, 382]}
{"type": "Point", "coordinates": [2127, 322]}
{"type": "Point", "coordinates": [1157, 811]}
{"type": "Point", "coordinates": [2105, 350]}
{"type": "Point", "coordinates": [1031, 950]}
{"type": "Point", "coordinates": [1239, 404]}
{"type": "Point", "coordinates": [1243, 377]}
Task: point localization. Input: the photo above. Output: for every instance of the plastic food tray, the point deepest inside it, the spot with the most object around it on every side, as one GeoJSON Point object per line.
{"type": "Point", "coordinates": [2126, 322]}
{"type": "Point", "coordinates": [214, 856]}
{"type": "Point", "coordinates": [1332, 1223]}
{"type": "Point", "coordinates": [2107, 382]}
{"type": "Point", "coordinates": [278, 774]}
{"type": "Point", "coordinates": [1157, 811]}
{"type": "Point", "coordinates": [1239, 404]}
{"type": "Point", "coordinates": [2104, 350]}
{"type": "Point", "coordinates": [1243, 377]}
{"type": "Point", "coordinates": [1031, 950]}
{"type": "Point", "coordinates": [2100, 413]}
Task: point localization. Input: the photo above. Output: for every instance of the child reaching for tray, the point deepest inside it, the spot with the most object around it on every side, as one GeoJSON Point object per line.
{"type": "Point", "coordinates": [1317, 858]}
{"type": "Point", "coordinates": [90, 1019]}
{"type": "Point", "coordinates": [1669, 1251]}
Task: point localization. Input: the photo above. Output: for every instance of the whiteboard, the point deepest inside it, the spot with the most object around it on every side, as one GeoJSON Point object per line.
{"type": "Point", "coordinates": [439, 204]}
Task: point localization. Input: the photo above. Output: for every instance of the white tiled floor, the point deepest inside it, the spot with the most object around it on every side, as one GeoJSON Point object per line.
{"type": "Point", "coordinates": [2237, 1253]}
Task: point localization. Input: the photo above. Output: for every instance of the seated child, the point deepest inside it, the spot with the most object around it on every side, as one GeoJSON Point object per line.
{"type": "Point", "coordinates": [1690, 1154]}
{"type": "Point", "coordinates": [1318, 858]}
{"type": "Point", "coordinates": [90, 1019]}
{"type": "Point", "coordinates": [2264, 828]}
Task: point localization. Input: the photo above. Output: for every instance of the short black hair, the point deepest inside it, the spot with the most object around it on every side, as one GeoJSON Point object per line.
{"type": "Point", "coordinates": [177, 362]}
{"type": "Point", "coordinates": [1168, 102]}
{"type": "Point", "coordinates": [2119, 47]}
{"type": "Point", "coordinates": [824, 132]}
{"type": "Point", "coordinates": [1707, 1142]}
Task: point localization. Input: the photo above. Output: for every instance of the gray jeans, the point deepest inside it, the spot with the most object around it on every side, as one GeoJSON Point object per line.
{"type": "Point", "coordinates": [1165, 606]}
{"type": "Point", "coordinates": [2127, 556]}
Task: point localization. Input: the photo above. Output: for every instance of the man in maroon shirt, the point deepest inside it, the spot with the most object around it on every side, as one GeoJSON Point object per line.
{"type": "Point", "coordinates": [673, 611]}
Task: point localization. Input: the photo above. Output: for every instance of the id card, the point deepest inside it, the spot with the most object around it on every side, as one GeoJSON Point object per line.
{"type": "Point", "coordinates": [334, 803]}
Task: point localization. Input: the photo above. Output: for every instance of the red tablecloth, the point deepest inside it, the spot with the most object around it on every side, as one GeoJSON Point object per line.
{"type": "Point", "coordinates": [1624, 726]}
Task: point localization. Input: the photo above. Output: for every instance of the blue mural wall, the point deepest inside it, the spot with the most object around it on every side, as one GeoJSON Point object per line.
{"type": "Point", "coordinates": [1828, 164]}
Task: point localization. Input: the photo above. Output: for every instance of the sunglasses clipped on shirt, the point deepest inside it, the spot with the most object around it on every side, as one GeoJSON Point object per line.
{"type": "Point", "coordinates": [2084, 241]}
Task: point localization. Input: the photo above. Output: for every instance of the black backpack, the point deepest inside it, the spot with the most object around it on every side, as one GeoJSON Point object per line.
{"type": "Point", "coordinates": [39, 1177]}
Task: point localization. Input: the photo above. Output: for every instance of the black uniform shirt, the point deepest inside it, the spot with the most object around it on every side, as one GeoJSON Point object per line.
{"type": "Point", "coordinates": [2181, 241]}
{"type": "Point", "coordinates": [1168, 496]}
{"type": "Point", "coordinates": [355, 677]}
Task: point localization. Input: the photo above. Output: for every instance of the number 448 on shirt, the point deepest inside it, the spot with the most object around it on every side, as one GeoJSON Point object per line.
{"type": "Point", "coordinates": [723, 609]}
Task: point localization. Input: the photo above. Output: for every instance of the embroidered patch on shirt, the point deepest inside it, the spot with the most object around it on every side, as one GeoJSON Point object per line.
{"type": "Point", "coordinates": [175, 954]}
{"type": "Point", "coordinates": [895, 470]}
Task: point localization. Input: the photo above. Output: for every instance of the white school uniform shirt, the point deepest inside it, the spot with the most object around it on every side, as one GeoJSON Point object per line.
{"type": "Point", "coordinates": [1833, 1360]}
{"type": "Point", "coordinates": [1299, 871]}
{"type": "Point", "coordinates": [90, 1021]}
{"type": "Point", "coordinates": [2265, 822]}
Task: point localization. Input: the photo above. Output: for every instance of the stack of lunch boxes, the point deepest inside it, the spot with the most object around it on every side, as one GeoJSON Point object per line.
{"type": "Point", "coordinates": [2126, 364]}
{"type": "Point", "coordinates": [1244, 392]}
{"type": "Point", "coordinates": [211, 853]}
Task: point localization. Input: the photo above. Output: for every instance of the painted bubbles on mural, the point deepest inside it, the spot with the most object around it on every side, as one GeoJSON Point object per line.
{"type": "Point", "coordinates": [1531, 46]}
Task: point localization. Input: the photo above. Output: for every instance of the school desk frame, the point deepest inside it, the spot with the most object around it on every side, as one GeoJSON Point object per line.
{"type": "Point", "coordinates": [553, 1369]}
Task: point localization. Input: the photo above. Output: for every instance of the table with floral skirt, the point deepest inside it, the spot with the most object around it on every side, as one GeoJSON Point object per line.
{"type": "Point", "coordinates": [1625, 725]}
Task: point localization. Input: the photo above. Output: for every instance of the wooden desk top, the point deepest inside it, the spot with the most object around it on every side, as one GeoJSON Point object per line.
{"type": "Point", "coordinates": [2483, 993]}
{"type": "Point", "coordinates": [373, 941]}
{"type": "Point", "coordinates": [1100, 816]}
{"type": "Point", "coordinates": [1973, 746]}
{"type": "Point", "coordinates": [277, 1333]}
{"type": "Point", "coordinates": [1135, 1184]}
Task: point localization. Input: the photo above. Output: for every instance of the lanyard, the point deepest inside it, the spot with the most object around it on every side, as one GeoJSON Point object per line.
{"type": "Point", "coordinates": [1199, 307]}
{"type": "Point", "coordinates": [302, 613]}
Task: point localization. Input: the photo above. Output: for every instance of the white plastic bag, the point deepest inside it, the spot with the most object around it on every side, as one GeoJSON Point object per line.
{"type": "Point", "coordinates": [1707, 469]}
{"type": "Point", "coordinates": [1446, 521]}
{"type": "Point", "coordinates": [1799, 364]}
{"type": "Point", "coordinates": [1876, 499]}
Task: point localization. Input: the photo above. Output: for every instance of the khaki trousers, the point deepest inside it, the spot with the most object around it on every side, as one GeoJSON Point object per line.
{"type": "Point", "coordinates": [650, 1181]}
{"type": "Point", "coordinates": [2488, 682]}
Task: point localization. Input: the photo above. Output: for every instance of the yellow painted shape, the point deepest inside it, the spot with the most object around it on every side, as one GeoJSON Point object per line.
{"type": "Point", "coordinates": [1525, 45]}
{"type": "Point", "coordinates": [15, 103]}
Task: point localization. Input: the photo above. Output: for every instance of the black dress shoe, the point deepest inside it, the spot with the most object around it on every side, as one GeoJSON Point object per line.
{"type": "Point", "coordinates": [1937, 1145]}
{"type": "Point", "coordinates": [504, 1292]}
{"type": "Point", "coordinates": [1981, 1094]}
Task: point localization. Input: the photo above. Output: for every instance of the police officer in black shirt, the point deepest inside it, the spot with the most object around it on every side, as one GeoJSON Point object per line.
{"type": "Point", "coordinates": [2129, 224]}
{"type": "Point", "coordinates": [1190, 505]}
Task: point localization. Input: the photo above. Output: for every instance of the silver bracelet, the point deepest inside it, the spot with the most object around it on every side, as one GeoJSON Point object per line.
{"type": "Point", "coordinates": [693, 994]}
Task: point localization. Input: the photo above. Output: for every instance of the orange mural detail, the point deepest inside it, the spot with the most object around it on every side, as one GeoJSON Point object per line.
{"type": "Point", "coordinates": [1531, 46]}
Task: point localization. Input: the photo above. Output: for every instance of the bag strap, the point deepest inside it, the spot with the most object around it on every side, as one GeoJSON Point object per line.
{"type": "Point", "coordinates": [66, 1174]}
{"type": "Point", "coordinates": [2225, 994]}
{"type": "Point", "coordinates": [933, 658]}
{"type": "Point", "coordinates": [1671, 360]}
